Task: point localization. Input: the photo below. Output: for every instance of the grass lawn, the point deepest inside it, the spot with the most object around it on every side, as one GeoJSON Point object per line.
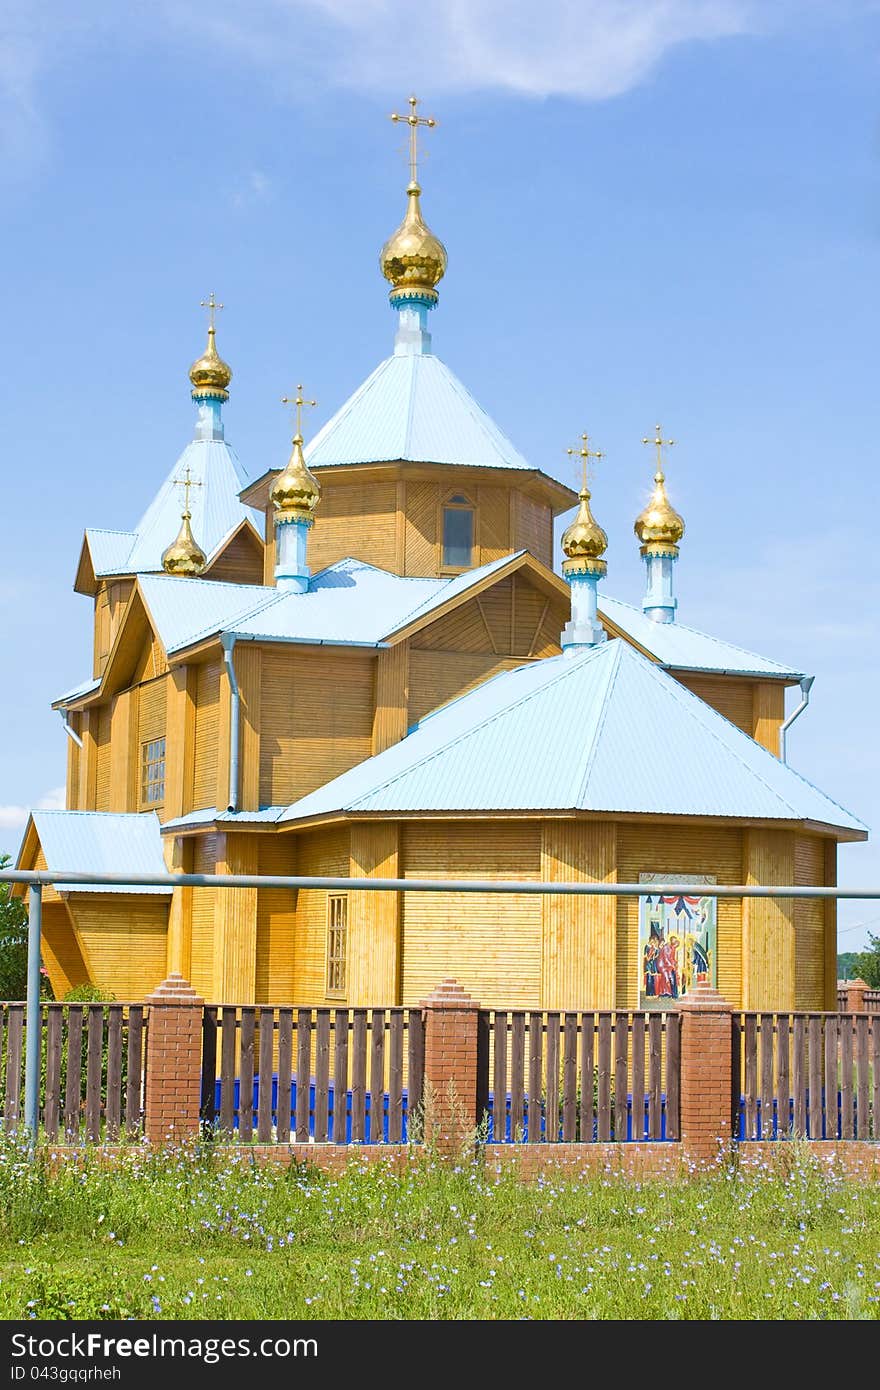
{"type": "Point", "coordinates": [207, 1235]}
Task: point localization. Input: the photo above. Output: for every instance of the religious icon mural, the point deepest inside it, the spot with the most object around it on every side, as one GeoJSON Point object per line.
{"type": "Point", "coordinates": [677, 940]}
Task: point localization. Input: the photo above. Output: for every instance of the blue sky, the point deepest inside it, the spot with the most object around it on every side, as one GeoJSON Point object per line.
{"type": "Point", "coordinates": [653, 211]}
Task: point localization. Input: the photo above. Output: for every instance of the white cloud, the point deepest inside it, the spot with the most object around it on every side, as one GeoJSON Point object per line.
{"type": "Point", "coordinates": [585, 49]}
{"type": "Point", "coordinates": [15, 817]}
{"type": "Point", "coordinates": [253, 187]}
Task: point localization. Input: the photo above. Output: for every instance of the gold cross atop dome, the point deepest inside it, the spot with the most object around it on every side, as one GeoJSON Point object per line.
{"type": "Point", "coordinates": [659, 526]}
{"type": "Point", "coordinates": [413, 120]}
{"type": "Point", "coordinates": [659, 444]}
{"type": "Point", "coordinates": [212, 306]}
{"type": "Point", "coordinates": [184, 556]}
{"type": "Point", "coordinates": [209, 374]}
{"type": "Point", "coordinates": [297, 402]}
{"type": "Point", "coordinates": [186, 482]}
{"type": "Point", "coordinates": [585, 453]}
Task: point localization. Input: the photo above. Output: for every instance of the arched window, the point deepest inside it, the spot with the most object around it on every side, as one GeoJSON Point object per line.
{"type": "Point", "coordinates": [458, 532]}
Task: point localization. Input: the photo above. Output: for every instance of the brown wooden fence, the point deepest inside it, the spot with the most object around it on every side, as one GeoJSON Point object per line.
{"type": "Point", "coordinates": [323, 1075]}
{"type": "Point", "coordinates": [579, 1077]}
{"type": "Point", "coordinates": [811, 1075]}
{"type": "Point", "coordinates": [91, 1069]}
{"type": "Point", "coordinates": [870, 998]}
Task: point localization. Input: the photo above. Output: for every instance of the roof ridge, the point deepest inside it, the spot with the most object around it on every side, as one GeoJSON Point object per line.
{"type": "Point", "coordinates": [452, 579]}
{"type": "Point", "coordinates": [107, 531]}
{"type": "Point", "coordinates": [586, 764]}
{"type": "Point", "coordinates": [568, 667]}
{"type": "Point", "coordinates": [679, 691]}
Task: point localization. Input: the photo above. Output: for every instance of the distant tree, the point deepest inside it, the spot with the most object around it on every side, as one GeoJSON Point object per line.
{"type": "Point", "coordinates": [13, 941]}
{"type": "Point", "coordinates": [845, 965]}
{"type": "Point", "coordinates": [867, 963]}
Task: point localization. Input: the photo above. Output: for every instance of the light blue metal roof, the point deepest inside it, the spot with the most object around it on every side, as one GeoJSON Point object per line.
{"type": "Point", "coordinates": [185, 610]}
{"type": "Point", "coordinates": [109, 550]}
{"type": "Point", "coordinates": [102, 842]}
{"type": "Point", "coordinates": [412, 407]}
{"type": "Point", "coordinates": [351, 603]}
{"type": "Point", "coordinates": [216, 510]}
{"type": "Point", "coordinates": [265, 816]}
{"type": "Point", "coordinates": [84, 688]}
{"type": "Point", "coordinates": [606, 730]}
{"type": "Point", "coordinates": [688, 649]}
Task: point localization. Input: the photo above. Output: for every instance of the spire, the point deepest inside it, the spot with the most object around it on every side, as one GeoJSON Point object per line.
{"type": "Point", "coordinates": [295, 494]}
{"type": "Point", "coordinates": [413, 259]}
{"type": "Point", "coordinates": [184, 555]}
{"type": "Point", "coordinates": [583, 544]}
{"type": "Point", "coordinates": [659, 528]}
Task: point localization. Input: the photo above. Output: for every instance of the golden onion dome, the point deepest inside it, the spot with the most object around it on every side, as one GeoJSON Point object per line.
{"type": "Point", "coordinates": [413, 259]}
{"type": "Point", "coordinates": [184, 556]}
{"type": "Point", "coordinates": [296, 492]}
{"type": "Point", "coordinates": [659, 523]}
{"type": "Point", "coordinates": [584, 539]}
{"type": "Point", "coordinates": [209, 374]}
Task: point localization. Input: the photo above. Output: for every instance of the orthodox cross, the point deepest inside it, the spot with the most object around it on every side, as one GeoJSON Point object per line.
{"type": "Point", "coordinates": [413, 121]}
{"type": "Point", "coordinates": [297, 402]}
{"type": "Point", "coordinates": [211, 305]}
{"type": "Point", "coordinates": [659, 444]}
{"type": "Point", "coordinates": [186, 482]}
{"type": "Point", "coordinates": [585, 453]}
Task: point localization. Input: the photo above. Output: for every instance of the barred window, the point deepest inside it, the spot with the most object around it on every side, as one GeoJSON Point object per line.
{"type": "Point", "coordinates": [337, 942]}
{"type": "Point", "coordinates": [153, 772]}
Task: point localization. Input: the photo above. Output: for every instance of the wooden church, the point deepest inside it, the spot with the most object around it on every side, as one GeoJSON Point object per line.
{"type": "Point", "coordinates": [363, 664]}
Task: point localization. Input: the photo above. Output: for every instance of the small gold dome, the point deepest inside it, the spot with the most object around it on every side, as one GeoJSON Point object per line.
{"type": "Point", "coordinates": [413, 259]}
{"type": "Point", "coordinates": [184, 556]}
{"type": "Point", "coordinates": [584, 539]}
{"type": "Point", "coordinates": [659, 523]}
{"type": "Point", "coordinates": [296, 491]}
{"type": "Point", "coordinates": [209, 374]}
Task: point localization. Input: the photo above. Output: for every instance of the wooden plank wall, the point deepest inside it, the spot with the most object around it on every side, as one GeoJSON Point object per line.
{"type": "Point", "coordinates": [731, 697]}
{"type": "Point", "coordinates": [357, 519]}
{"type": "Point", "coordinates": [492, 946]}
{"type": "Point", "coordinates": [421, 541]}
{"type": "Point", "coordinates": [202, 924]}
{"type": "Point", "coordinates": [768, 700]}
{"type": "Point", "coordinates": [276, 980]}
{"type": "Point", "coordinates": [809, 925]}
{"type": "Point", "coordinates": [374, 918]}
{"type": "Point", "coordinates": [240, 563]}
{"type": "Point", "coordinates": [61, 953]}
{"type": "Point", "coordinates": [235, 922]}
{"type": "Point", "coordinates": [316, 719]}
{"type": "Point", "coordinates": [124, 940]}
{"type": "Point", "coordinates": [579, 933]}
{"type": "Point", "coordinates": [532, 528]}
{"type": "Point", "coordinates": [493, 524]}
{"type": "Point", "coordinates": [324, 852]}
{"type": "Point", "coordinates": [101, 718]}
{"type": "Point", "coordinates": [675, 849]}
{"type": "Point", "coordinates": [207, 720]}
{"type": "Point", "coordinates": [768, 923]}
{"type": "Point", "coordinates": [391, 717]}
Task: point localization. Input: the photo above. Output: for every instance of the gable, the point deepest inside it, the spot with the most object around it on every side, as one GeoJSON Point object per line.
{"type": "Point", "coordinates": [513, 617]}
{"type": "Point", "coordinates": [239, 560]}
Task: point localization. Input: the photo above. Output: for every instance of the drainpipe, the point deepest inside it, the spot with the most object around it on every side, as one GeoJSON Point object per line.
{"type": "Point", "coordinates": [71, 733]}
{"type": "Point", "coordinates": [228, 642]}
{"type": "Point", "coordinates": [806, 683]}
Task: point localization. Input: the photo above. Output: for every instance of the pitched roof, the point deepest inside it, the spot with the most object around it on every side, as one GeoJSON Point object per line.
{"type": "Point", "coordinates": [686, 648]}
{"type": "Point", "coordinates": [413, 408]}
{"type": "Point", "coordinates": [606, 730]}
{"type": "Point", "coordinates": [101, 842]}
{"type": "Point", "coordinates": [219, 477]}
{"type": "Point", "coordinates": [350, 603]}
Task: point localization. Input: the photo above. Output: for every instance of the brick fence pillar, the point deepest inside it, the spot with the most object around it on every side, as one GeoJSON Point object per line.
{"type": "Point", "coordinates": [855, 996]}
{"type": "Point", "coordinates": [451, 1030]}
{"type": "Point", "coordinates": [174, 1062]}
{"type": "Point", "coordinates": [706, 1072]}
